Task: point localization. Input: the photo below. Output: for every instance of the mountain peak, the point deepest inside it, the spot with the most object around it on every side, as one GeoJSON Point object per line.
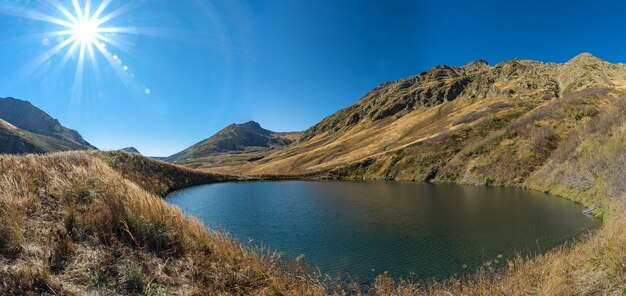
{"type": "Point", "coordinates": [585, 58]}
{"type": "Point", "coordinates": [131, 150]}
{"type": "Point", "coordinates": [234, 138]}
{"type": "Point", "coordinates": [251, 123]}
{"type": "Point", "coordinates": [586, 70]}
{"type": "Point", "coordinates": [476, 65]}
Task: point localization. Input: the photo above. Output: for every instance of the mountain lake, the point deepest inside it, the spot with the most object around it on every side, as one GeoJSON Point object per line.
{"type": "Point", "coordinates": [360, 229]}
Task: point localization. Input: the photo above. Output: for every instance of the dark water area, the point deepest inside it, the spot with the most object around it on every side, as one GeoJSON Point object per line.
{"type": "Point", "coordinates": [363, 228]}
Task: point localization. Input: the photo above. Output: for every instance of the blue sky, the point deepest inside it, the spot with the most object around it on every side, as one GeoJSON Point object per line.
{"type": "Point", "coordinates": [286, 64]}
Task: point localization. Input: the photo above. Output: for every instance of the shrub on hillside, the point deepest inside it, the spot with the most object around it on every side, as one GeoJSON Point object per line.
{"type": "Point", "coordinates": [543, 140]}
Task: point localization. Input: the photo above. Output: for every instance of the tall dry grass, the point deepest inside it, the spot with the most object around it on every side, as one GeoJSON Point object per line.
{"type": "Point", "coordinates": [72, 224]}
{"type": "Point", "coordinates": [157, 177]}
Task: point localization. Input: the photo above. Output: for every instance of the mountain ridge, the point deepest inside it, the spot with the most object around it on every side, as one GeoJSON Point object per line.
{"type": "Point", "coordinates": [24, 115]}
{"type": "Point", "coordinates": [25, 128]}
{"type": "Point", "coordinates": [453, 81]}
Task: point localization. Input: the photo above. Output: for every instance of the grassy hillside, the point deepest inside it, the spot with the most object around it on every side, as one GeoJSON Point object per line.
{"type": "Point", "coordinates": [72, 224]}
{"type": "Point", "coordinates": [572, 147]}
{"type": "Point", "coordinates": [157, 177]}
{"type": "Point", "coordinates": [79, 223]}
{"type": "Point", "coordinates": [473, 101]}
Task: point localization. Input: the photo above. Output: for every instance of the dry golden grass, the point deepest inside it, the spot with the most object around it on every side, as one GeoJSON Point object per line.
{"type": "Point", "coordinates": [157, 177]}
{"type": "Point", "coordinates": [72, 224]}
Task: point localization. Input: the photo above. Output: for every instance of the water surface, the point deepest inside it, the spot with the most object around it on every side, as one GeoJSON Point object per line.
{"type": "Point", "coordinates": [363, 228]}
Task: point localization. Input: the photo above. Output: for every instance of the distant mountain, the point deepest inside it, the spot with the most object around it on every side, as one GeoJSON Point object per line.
{"type": "Point", "coordinates": [237, 138]}
{"type": "Point", "coordinates": [17, 141]}
{"type": "Point", "coordinates": [131, 150]}
{"type": "Point", "coordinates": [25, 128]}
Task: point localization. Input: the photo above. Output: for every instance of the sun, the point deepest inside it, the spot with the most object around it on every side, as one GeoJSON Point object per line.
{"type": "Point", "coordinates": [85, 31]}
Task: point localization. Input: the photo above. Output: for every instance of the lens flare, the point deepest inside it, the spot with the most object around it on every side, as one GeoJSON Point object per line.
{"type": "Point", "coordinates": [84, 34]}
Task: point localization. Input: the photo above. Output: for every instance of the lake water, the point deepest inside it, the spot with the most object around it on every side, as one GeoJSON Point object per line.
{"type": "Point", "coordinates": [364, 228]}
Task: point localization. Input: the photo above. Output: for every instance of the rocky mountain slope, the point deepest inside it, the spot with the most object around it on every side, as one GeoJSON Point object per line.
{"type": "Point", "coordinates": [17, 141]}
{"type": "Point", "coordinates": [25, 128]}
{"type": "Point", "coordinates": [248, 139]}
{"type": "Point", "coordinates": [517, 123]}
{"type": "Point", "coordinates": [511, 80]}
{"type": "Point", "coordinates": [25, 116]}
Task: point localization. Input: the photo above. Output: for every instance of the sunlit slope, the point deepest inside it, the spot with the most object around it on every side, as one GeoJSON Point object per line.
{"type": "Point", "coordinates": [505, 124]}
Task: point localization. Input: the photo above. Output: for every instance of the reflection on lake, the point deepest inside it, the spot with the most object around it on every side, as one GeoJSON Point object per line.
{"type": "Point", "coordinates": [363, 228]}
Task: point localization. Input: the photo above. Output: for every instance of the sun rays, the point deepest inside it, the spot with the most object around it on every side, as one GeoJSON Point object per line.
{"type": "Point", "coordinates": [83, 33]}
